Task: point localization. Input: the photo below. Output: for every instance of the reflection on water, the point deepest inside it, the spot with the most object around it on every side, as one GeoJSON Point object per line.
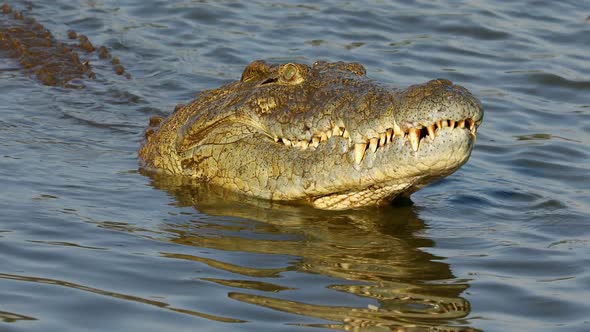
{"type": "Point", "coordinates": [13, 317]}
{"type": "Point", "coordinates": [376, 255]}
{"type": "Point", "coordinates": [10, 317]}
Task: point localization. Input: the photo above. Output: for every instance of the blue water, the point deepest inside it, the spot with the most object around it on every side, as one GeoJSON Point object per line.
{"type": "Point", "coordinates": [88, 243]}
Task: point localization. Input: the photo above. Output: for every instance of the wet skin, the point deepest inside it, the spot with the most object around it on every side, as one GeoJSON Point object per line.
{"type": "Point", "coordinates": [324, 134]}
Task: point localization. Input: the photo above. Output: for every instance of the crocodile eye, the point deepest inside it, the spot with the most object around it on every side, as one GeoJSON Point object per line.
{"type": "Point", "coordinates": [291, 75]}
{"type": "Point", "coordinates": [356, 68]}
{"type": "Point", "coordinates": [289, 72]}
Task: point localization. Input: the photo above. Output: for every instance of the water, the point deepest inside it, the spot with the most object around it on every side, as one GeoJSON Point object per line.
{"type": "Point", "coordinates": [87, 243]}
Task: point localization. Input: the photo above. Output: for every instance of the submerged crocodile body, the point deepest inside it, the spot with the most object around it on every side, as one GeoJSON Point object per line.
{"type": "Point", "coordinates": [324, 134]}
{"type": "Point", "coordinates": [53, 62]}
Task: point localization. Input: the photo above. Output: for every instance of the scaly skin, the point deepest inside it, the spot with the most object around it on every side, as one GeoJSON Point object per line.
{"type": "Point", "coordinates": [53, 62]}
{"type": "Point", "coordinates": [326, 135]}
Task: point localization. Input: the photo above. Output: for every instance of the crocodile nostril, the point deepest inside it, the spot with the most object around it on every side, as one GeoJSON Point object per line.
{"type": "Point", "coordinates": [441, 81]}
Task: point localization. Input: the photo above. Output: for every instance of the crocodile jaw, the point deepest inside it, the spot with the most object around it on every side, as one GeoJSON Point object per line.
{"type": "Point", "coordinates": [329, 176]}
{"type": "Point", "coordinates": [396, 169]}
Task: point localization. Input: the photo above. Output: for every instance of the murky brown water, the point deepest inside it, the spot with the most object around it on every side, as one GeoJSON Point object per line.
{"type": "Point", "coordinates": [88, 243]}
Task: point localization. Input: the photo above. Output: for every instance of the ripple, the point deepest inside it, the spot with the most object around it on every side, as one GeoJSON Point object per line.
{"type": "Point", "coordinates": [554, 80]}
{"type": "Point", "coordinates": [477, 32]}
{"type": "Point", "coordinates": [10, 317]}
{"type": "Point", "coordinates": [60, 283]}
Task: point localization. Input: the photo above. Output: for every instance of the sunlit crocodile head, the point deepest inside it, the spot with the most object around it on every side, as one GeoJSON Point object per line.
{"type": "Point", "coordinates": [324, 134]}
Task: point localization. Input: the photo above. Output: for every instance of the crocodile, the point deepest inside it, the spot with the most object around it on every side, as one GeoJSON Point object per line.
{"type": "Point", "coordinates": [51, 61]}
{"type": "Point", "coordinates": [325, 135]}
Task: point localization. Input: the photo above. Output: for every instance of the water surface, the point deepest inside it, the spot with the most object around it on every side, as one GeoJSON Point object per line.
{"type": "Point", "coordinates": [88, 243]}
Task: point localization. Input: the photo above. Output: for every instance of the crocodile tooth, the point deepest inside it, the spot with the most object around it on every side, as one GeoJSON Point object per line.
{"type": "Point", "coordinates": [452, 123]}
{"type": "Point", "coordinates": [276, 139]}
{"type": "Point", "coordinates": [346, 134]}
{"type": "Point", "coordinates": [382, 139]}
{"type": "Point", "coordinates": [431, 131]}
{"type": "Point", "coordinates": [304, 144]}
{"type": "Point", "coordinates": [461, 124]}
{"type": "Point", "coordinates": [374, 143]}
{"type": "Point", "coordinates": [315, 141]}
{"type": "Point", "coordinates": [389, 134]}
{"type": "Point", "coordinates": [323, 137]}
{"type": "Point", "coordinates": [329, 133]}
{"type": "Point", "coordinates": [286, 142]}
{"type": "Point", "coordinates": [336, 131]}
{"type": "Point", "coordinates": [444, 123]}
{"type": "Point", "coordinates": [438, 124]}
{"type": "Point", "coordinates": [471, 126]}
{"type": "Point", "coordinates": [414, 138]}
{"type": "Point", "coordinates": [397, 130]}
{"type": "Point", "coordinates": [359, 152]}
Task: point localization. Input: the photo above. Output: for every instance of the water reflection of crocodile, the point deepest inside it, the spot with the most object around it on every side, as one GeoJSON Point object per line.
{"type": "Point", "coordinates": [376, 254]}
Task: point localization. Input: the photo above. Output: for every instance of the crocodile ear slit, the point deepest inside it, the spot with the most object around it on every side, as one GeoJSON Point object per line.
{"type": "Point", "coordinates": [269, 80]}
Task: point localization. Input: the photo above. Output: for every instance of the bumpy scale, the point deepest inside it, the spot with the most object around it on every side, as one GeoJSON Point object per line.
{"type": "Point", "coordinates": [326, 135]}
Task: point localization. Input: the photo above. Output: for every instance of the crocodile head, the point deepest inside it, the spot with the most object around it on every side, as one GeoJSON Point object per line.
{"type": "Point", "coordinates": [323, 134]}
